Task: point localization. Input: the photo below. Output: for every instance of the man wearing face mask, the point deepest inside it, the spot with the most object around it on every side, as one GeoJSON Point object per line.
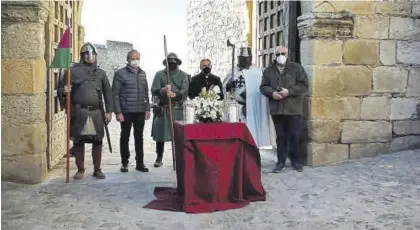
{"type": "Point", "coordinates": [88, 84]}
{"type": "Point", "coordinates": [285, 83]}
{"type": "Point", "coordinates": [132, 108]}
{"type": "Point", "coordinates": [177, 90]}
{"type": "Point", "coordinates": [205, 79]}
{"type": "Point", "coordinates": [245, 86]}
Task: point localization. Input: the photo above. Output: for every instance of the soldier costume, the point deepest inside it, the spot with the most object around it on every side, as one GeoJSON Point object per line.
{"type": "Point", "coordinates": [88, 81]}
{"type": "Point", "coordinates": [161, 130]}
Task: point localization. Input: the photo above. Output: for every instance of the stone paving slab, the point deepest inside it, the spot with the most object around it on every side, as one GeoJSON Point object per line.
{"type": "Point", "coordinates": [371, 193]}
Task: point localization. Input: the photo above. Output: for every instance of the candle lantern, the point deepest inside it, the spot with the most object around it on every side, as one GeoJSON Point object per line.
{"type": "Point", "coordinates": [189, 112]}
{"type": "Point", "coordinates": [234, 111]}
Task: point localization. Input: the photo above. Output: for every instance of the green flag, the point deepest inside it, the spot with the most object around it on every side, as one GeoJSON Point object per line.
{"type": "Point", "coordinates": [62, 54]}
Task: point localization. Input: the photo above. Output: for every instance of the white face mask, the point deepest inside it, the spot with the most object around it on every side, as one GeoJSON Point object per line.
{"type": "Point", "coordinates": [135, 63]}
{"type": "Point", "coordinates": [281, 59]}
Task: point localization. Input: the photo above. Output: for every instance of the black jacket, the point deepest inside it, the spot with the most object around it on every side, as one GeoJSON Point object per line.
{"type": "Point", "coordinates": [294, 79]}
{"type": "Point", "coordinates": [199, 81]}
{"type": "Point", "coordinates": [131, 91]}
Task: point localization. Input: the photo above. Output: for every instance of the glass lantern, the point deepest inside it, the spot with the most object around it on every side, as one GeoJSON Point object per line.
{"type": "Point", "coordinates": [188, 112]}
{"type": "Point", "coordinates": [233, 111]}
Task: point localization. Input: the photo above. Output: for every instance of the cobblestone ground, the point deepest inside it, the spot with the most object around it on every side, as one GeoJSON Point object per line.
{"type": "Point", "coordinates": [375, 193]}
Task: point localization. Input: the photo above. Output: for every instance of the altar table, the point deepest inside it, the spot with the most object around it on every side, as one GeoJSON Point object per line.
{"type": "Point", "coordinates": [218, 167]}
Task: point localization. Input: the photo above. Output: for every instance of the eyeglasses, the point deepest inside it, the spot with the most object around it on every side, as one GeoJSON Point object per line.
{"type": "Point", "coordinates": [282, 54]}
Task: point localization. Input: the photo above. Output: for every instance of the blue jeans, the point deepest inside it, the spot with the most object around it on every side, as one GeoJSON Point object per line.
{"type": "Point", "coordinates": [287, 137]}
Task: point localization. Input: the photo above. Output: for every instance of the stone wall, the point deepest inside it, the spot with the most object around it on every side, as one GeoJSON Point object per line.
{"type": "Point", "coordinates": [112, 55]}
{"type": "Point", "coordinates": [23, 77]}
{"type": "Point", "coordinates": [364, 65]}
{"type": "Point", "coordinates": [210, 24]}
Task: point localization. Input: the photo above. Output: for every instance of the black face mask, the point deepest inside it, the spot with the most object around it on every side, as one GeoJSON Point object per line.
{"type": "Point", "coordinates": [207, 70]}
{"type": "Point", "coordinates": [172, 66]}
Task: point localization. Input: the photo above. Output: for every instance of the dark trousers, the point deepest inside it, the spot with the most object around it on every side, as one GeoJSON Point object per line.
{"type": "Point", "coordinates": [159, 149]}
{"type": "Point", "coordinates": [136, 120]}
{"type": "Point", "coordinates": [287, 137]}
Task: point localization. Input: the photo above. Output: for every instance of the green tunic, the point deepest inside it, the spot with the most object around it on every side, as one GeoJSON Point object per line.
{"type": "Point", "coordinates": [161, 129]}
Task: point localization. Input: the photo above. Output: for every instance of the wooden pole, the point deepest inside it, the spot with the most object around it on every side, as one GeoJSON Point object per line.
{"type": "Point", "coordinates": [68, 126]}
{"type": "Point", "coordinates": [169, 105]}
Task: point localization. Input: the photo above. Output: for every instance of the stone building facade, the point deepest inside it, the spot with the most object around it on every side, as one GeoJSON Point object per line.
{"type": "Point", "coordinates": [112, 55]}
{"type": "Point", "coordinates": [364, 65]}
{"type": "Point", "coordinates": [33, 123]}
{"type": "Point", "coordinates": [362, 58]}
{"type": "Point", "coordinates": [210, 24]}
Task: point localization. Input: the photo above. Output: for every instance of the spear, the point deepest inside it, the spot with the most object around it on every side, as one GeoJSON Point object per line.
{"type": "Point", "coordinates": [168, 82]}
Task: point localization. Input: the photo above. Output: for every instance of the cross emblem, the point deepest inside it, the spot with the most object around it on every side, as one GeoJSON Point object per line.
{"type": "Point", "coordinates": [240, 82]}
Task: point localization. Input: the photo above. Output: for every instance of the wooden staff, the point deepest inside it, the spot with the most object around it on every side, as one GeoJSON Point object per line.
{"type": "Point", "coordinates": [229, 44]}
{"type": "Point", "coordinates": [68, 126]}
{"type": "Point", "coordinates": [168, 82]}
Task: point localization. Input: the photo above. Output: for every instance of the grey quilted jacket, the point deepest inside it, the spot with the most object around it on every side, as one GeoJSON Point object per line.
{"type": "Point", "coordinates": [131, 91]}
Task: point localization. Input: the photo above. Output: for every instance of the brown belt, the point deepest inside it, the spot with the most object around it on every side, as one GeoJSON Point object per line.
{"type": "Point", "coordinates": [88, 107]}
{"type": "Point", "coordinates": [175, 105]}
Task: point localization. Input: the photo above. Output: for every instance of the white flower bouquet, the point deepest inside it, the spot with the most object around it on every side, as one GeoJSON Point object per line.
{"type": "Point", "coordinates": [207, 107]}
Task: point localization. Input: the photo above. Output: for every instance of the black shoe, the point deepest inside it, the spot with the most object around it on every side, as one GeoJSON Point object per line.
{"type": "Point", "coordinates": [158, 162]}
{"type": "Point", "coordinates": [297, 166]}
{"type": "Point", "coordinates": [124, 168]}
{"type": "Point", "coordinates": [142, 168]}
{"type": "Point", "coordinates": [279, 167]}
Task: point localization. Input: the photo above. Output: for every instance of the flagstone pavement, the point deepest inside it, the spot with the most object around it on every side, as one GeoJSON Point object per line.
{"type": "Point", "coordinates": [371, 193]}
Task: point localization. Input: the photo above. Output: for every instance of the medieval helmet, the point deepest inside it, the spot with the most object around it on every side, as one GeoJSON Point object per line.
{"type": "Point", "coordinates": [88, 53]}
{"type": "Point", "coordinates": [172, 57]}
{"type": "Point", "coordinates": [244, 57]}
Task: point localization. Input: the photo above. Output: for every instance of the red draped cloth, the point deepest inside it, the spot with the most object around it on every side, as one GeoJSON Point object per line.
{"type": "Point", "coordinates": [218, 168]}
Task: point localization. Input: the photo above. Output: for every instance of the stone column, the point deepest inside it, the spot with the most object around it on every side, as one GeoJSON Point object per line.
{"type": "Point", "coordinates": [331, 99]}
{"type": "Point", "coordinates": [363, 61]}
{"type": "Point", "coordinates": [23, 76]}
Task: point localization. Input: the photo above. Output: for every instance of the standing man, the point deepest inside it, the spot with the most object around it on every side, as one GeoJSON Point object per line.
{"type": "Point", "coordinates": [132, 108]}
{"type": "Point", "coordinates": [177, 90]}
{"type": "Point", "coordinates": [285, 83]}
{"type": "Point", "coordinates": [205, 79]}
{"type": "Point", "coordinates": [88, 82]}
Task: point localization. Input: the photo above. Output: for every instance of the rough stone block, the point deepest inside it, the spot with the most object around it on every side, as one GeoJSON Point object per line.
{"type": "Point", "coordinates": [408, 52]}
{"type": "Point", "coordinates": [19, 140]}
{"type": "Point", "coordinates": [22, 40]}
{"type": "Point", "coordinates": [321, 154]}
{"type": "Point", "coordinates": [404, 28]}
{"type": "Point", "coordinates": [29, 169]}
{"type": "Point", "coordinates": [393, 8]}
{"type": "Point", "coordinates": [367, 150]}
{"type": "Point", "coordinates": [416, 9]}
{"type": "Point", "coordinates": [413, 85]}
{"type": "Point", "coordinates": [24, 11]}
{"type": "Point", "coordinates": [335, 108]}
{"type": "Point", "coordinates": [323, 131]}
{"type": "Point", "coordinates": [353, 54]}
{"type": "Point", "coordinates": [407, 127]}
{"type": "Point", "coordinates": [23, 109]}
{"type": "Point", "coordinates": [326, 25]}
{"type": "Point", "coordinates": [375, 108]}
{"type": "Point", "coordinates": [403, 108]}
{"type": "Point", "coordinates": [318, 52]}
{"type": "Point", "coordinates": [405, 143]}
{"type": "Point", "coordinates": [342, 81]}
{"type": "Point", "coordinates": [355, 7]}
{"type": "Point", "coordinates": [389, 79]}
{"type": "Point", "coordinates": [23, 76]}
{"type": "Point", "coordinates": [388, 52]}
{"type": "Point", "coordinates": [372, 27]}
{"type": "Point", "coordinates": [366, 131]}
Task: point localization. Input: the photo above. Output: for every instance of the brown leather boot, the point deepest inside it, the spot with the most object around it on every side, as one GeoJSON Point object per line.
{"type": "Point", "coordinates": [79, 155]}
{"type": "Point", "coordinates": [97, 158]}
